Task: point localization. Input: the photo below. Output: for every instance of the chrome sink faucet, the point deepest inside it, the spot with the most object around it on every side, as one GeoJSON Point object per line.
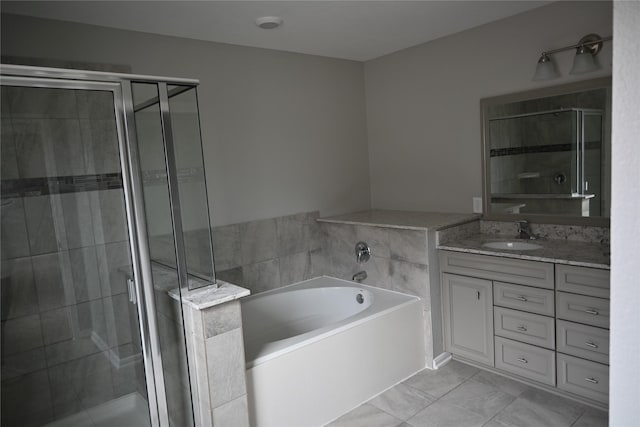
{"type": "Point", "coordinates": [524, 230]}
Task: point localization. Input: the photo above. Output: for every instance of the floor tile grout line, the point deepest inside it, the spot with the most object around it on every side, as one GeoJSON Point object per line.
{"type": "Point", "coordinates": [420, 410]}
{"type": "Point", "coordinates": [498, 413]}
{"type": "Point", "coordinates": [467, 379]}
{"type": "Point", "coordinates": [579, 416]}
{"type": "Point", "coordinates": [473, 412]}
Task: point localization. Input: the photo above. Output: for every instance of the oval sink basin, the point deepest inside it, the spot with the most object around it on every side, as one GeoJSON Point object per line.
{"type": "Point", "coordinates": [512, 245]}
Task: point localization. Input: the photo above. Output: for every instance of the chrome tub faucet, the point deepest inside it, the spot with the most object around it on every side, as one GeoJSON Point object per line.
{"type": "Point", "coordinates": [359, 276]}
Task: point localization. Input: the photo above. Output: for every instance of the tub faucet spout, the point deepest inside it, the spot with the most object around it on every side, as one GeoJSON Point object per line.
{"type": "Point", "coordinates": [359, 276]}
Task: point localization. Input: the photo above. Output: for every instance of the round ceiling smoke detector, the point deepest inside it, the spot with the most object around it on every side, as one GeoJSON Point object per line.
{"type": "Point", "coordinates": [269, 22]}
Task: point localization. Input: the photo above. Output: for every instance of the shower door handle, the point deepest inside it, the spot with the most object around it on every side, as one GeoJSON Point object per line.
{"type": "Point", "coordinates": [131, 289]}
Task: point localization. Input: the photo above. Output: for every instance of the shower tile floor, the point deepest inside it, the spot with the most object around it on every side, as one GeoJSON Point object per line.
{"type": "Point", "coordinates": [130, 410]}
{"type": "Point", "coordinates": [459, 395]}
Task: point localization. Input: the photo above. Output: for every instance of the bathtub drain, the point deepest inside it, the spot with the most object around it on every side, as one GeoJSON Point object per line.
{"type": "Point", "coordinates": [360, 298]}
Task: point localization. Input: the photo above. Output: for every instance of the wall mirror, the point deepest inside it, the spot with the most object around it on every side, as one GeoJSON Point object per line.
{"type": "Point", "coordinates": [547, 154]}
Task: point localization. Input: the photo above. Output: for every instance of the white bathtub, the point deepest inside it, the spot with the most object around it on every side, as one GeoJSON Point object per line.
{"type": "Point", "coordinates": [314, 351]}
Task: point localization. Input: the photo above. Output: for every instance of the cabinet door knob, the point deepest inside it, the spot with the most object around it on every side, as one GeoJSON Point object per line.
{"type": "Point", "coordinates": [522, 360]}
{"type": "Point", "coordinates": [592, 380]}
{"type": "Point", "coordinates": [591, 344]}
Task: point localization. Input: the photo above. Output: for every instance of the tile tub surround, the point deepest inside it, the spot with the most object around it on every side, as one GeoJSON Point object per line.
{"type": "Point", "coordinates": [462, 395]}
{"type": "Point", "coordinates": [403, 257]}
{"type": "Point", "coordinates": [406, 220]}
{"type": "Point", "coordinates": [266, 254]}
{"type": "Point", "coordinates": [213, 326]}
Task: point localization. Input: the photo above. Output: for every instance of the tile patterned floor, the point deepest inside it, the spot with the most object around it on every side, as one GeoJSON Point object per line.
{"type": "Point", "coordinates": [460, 395]}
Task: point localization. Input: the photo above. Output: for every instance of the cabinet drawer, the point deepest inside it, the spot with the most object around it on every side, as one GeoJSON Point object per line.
{"type": "Point", "coordinates": [533, 300]}
{"type": "Point", "coordinates": [582, 309]}
{"type": "Point", "coordinates": [588, 379]}
{"type": "Point", "coordinates": [583, 280]}
{"type": "Point", "coordinates": [522, 272]}
{"type": "Point", "coordinates": [526, 327]}
{"type": "Point", "coordinates": [526, 360]}
{"type": "Point", "coordinates": [583, 341]}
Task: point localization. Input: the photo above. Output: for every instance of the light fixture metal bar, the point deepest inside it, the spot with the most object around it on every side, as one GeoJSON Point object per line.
{"type": "Point", "coordinates": [577, 45]}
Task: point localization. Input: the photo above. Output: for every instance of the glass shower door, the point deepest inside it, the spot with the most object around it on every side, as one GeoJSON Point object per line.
{"type": "Point", "coordinates": [71, 345]}
{"type": "Point", "coordinates": [163, 242]}
{"type": "Point", "coordinates": [176, 217]}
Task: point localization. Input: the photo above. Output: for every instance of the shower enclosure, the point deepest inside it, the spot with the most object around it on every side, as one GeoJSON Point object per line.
{"type": "Point", "coordinates": [548, 161]}
{"type": "Point", "coordinates": [104, 210]}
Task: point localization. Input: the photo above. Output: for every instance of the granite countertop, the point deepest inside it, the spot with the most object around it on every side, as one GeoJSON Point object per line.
{"type": "Point", "coordinates": [407, 220]}
{"type": "Point", "coordinates": [584, 254]}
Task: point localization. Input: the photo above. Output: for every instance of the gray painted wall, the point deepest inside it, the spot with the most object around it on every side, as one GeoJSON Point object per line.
{"type": "Point", "coordinates": [286, 133]}
{"type": "Point", "coordinates": [625, 221]}
{"type": "Point", "coordinates": [423, 103]}
{"type": "Point", "coordinates": [282, 133]}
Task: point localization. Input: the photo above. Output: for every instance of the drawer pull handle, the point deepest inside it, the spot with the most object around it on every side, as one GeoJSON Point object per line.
{"type": "Point", "coordinates": [522, 328]}
{"type": "Point", "coordinates": [592, 380]}
{"type": "Point", "coordinates": [522, 298]}
{"type": "Point", "coordinates": [523, 360]}
{"type": "Point", "coordinates": [591, 344]}
{"type": "Point", "coordinates": [592, 311]}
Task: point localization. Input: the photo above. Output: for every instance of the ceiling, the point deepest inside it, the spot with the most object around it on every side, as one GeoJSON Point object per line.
{"type": "Point", "coordinates": [356, 30]}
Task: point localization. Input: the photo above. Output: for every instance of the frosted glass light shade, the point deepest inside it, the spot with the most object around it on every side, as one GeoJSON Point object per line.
{"type": "Point", "coordinates": [546, 69]}
{"type": "Point", "coordinates": [584, 62]}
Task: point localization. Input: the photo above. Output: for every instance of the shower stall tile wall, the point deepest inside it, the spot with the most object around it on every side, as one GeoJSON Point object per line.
{"type": "Point", "coordinates": [67, 340]}
{"type": "Point", "coordinates": [87, 159]}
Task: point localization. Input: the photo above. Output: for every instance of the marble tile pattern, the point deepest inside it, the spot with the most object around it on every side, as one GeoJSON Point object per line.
{"type": "Point", "coordinates": [400, 261]}
{"type": "Point", "coordinates": [557, 251]}
{"type": "Point", "coordinates": [217, 363]}
{"type": "Point", "coordinates": [461, 395]}
{"type": "Point", "coordinates": [267, 254]}
{"type": "Point", "coordinates": [210, 296]}
{"type": "Point", "coordinates": [407, 220]}
{"type": "Point", "coordinates": [70, 335]}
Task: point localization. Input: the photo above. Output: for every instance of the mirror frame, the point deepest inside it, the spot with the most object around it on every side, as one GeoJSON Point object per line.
{"type": "Point", "coordinates": [485, 103]}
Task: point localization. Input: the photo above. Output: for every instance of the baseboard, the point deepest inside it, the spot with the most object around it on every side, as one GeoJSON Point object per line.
{"type": "Point", "coordinates": [441, 360]}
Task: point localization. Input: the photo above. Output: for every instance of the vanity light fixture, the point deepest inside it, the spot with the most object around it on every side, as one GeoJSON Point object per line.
{"type": "Point", "coordinates": [586, 50]}
{"type": "Point", "coordinates": [546, 69]}
{"type": "Point", "coordinates": [269, 22]}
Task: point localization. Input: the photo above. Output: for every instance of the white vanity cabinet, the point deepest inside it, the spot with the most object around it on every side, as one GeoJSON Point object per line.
{"type": "Point", "coordinates": [582, 306]}
{"type": "Point", "coordinates": [468, 310]}
{"type": "Point", "coordinates": [539, 322]}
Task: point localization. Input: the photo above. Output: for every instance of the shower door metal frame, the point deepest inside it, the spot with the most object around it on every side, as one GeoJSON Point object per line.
{"type": "Point", "coordinates": [120, 85]}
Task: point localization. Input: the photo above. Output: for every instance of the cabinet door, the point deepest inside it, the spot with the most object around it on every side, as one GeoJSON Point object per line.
{"type": "Point", "coordinates": [468, 317]}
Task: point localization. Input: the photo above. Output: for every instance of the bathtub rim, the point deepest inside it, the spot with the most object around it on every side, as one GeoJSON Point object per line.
{"type": "Point", "coordinates": [296, 342]}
